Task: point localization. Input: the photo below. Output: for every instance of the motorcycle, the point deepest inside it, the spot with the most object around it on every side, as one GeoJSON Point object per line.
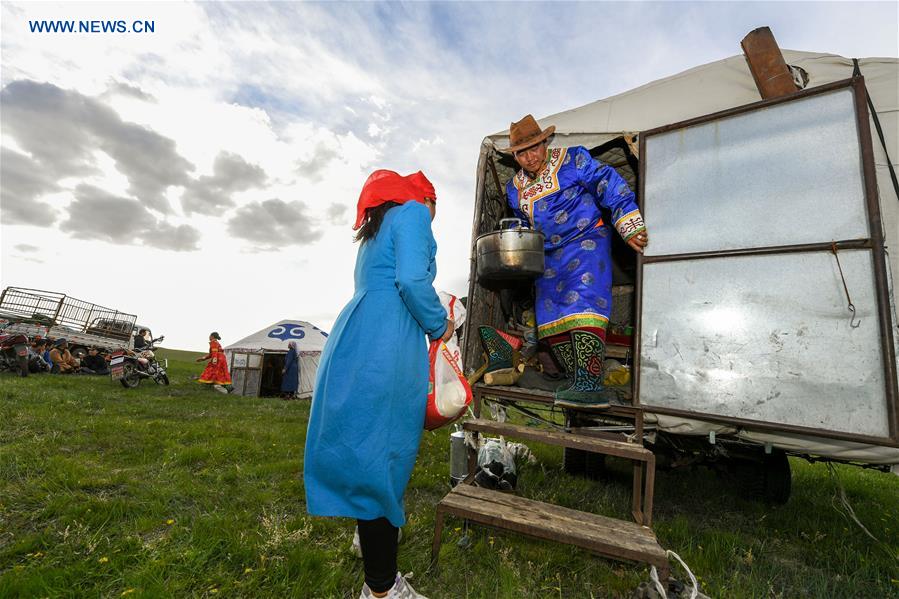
{"type": "Point", "coordinates": [131, 367]}
{"type": "Point", "coordinates": [14, 354]}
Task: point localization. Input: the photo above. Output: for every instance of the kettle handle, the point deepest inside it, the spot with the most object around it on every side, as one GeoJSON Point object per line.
{"type": "Point", "coordinates": [509, 220]}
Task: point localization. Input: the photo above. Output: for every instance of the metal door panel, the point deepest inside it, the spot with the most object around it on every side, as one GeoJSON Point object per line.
{"type": "Point", "coordinates": [741, 308]}
{"type": "Point", "coordinates": [765, 338]}
{"type": "Point", "coordinates": [784, 175]}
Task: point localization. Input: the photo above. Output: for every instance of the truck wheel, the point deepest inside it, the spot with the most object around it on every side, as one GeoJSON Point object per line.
{"type": "Point", "coordinates": [130, 379]}
{"type": "Point", "coordinates": [766, 479]}
{"type": "Point", "coordinates": [595, 465]}
{"type": "Point", "coordinates": [778, 480]}
{"type": "Point", "coordinates": [574, 461]}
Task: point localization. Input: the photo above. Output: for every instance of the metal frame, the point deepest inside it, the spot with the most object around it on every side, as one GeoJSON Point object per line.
{"type": "Point", "coordinates": [874, 243]}
{"type": "Point", "coordinates": [36, 305]}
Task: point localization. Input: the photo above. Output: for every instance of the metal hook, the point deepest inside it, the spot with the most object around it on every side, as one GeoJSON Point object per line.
{"type": "Point", "coordinates": [853, 323]}
{"type": "Point", "coordinates": [852, 319]}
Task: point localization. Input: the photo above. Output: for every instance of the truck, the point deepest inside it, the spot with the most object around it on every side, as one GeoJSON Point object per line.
{"type": "Point", "coordinates": [763, 311]}
{"type": "Point", "coordinates": [53, 315]}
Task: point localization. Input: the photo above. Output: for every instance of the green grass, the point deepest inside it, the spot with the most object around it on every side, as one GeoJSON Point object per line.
{"type": "Point", "coordinates": [182, 492]}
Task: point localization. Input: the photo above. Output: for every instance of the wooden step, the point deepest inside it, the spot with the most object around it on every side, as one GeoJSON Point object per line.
{"type": "Point", "coordinates": [609, 537]}
{"type": "Point", "coordinates": [571, 440]}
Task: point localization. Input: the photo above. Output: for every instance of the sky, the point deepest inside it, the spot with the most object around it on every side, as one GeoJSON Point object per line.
{"type": "Point", "coordinates": [204, 175]}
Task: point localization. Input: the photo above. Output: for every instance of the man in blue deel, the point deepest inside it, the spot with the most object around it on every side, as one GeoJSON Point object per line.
{"type": "Point", "coordinates": [562, 193]}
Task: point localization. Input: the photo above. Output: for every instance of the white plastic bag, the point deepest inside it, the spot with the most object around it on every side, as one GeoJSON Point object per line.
{"type": "Point", "coordinates": [448, 390]}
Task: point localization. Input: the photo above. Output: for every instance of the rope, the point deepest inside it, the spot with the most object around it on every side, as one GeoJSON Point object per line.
{"type": "Point", "coordinates": [848, 512]}
{"type": "Point", "coordinates": [856, 72]}
{"type": "Point", "coordinates": [497, 411]}
{"type": "Point", "coordinates": [694, 586]}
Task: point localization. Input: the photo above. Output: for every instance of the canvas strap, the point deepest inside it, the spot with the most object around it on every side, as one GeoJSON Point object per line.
{"type": "Point", "coordinates": [856, 72]}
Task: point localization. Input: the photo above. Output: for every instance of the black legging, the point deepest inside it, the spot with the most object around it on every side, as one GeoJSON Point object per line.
{"type": "Point", "coordinates": [379, 548]}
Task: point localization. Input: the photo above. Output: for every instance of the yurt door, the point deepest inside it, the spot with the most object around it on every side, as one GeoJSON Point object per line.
{"type": "Point", "coordinates": [763, 299]}
{"type": "Point", "coordinates": [246, 372]}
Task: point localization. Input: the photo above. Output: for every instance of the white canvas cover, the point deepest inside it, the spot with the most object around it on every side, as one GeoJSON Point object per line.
{"type": "Point", "coordinates": [726, 84]}
{"type": "Point", "coordinates": [274, 338]}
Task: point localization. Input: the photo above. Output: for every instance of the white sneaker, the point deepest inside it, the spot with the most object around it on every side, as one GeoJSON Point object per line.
{"type": "Point", "coordinates": [357, 545]}
{"type": "Point", "coordinates": [401, 589]}
{"type": "Point", "coordinates": [220, 389]}
{"type": "Point", "coordinates": [357, 548]}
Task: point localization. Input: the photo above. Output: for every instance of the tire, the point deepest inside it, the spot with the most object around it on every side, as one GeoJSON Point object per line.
{"type": "Point", "coordinates": [594, 465]}
{"type": "Point", "coordinates": [766, 479]}
{"type": "Point", "coordinates": [574, 461]}
{"type": "Point", "coordinates": [130, 379]}
{"type": "Point", "coordinates": [778, 479]}
{"type": "Point", "coordinates": [164, 379]}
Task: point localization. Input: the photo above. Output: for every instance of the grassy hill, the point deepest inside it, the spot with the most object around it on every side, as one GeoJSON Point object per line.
{"type": "Point", "coordinates": [180, 358]}
{"type": "Point", "coordinates": [183, 492]}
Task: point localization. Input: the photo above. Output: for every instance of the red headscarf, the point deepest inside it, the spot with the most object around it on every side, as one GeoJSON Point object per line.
{"type": "Point", "coordinates": [387, 186]}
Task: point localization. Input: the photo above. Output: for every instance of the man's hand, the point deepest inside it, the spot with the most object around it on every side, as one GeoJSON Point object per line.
{"type": "Point", "coordinates": [639, 241]}
{"type": "Point", "coordinates": [450, 329]}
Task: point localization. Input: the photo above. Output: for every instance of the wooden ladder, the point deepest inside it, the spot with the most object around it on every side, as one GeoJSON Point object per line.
{"type": "Point", "coordinates": [609, 537]}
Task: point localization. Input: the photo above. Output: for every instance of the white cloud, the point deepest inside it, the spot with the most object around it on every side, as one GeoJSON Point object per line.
{"type": "Point", "coordinates": [374, 130]}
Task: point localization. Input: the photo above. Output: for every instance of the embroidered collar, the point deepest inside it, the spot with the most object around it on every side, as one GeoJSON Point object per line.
{"type": "Point", "coordinates": [546, 182]}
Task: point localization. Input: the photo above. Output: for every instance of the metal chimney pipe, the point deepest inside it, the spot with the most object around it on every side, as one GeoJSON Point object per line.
{"type": "Point", "coordinates": [771, 74]}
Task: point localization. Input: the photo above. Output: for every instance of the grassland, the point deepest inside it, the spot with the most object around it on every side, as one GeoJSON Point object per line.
{"type": "Point", "coordinates": [182, 492]}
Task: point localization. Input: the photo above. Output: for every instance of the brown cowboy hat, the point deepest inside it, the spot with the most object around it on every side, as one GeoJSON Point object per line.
{"type": "Point", "coordinates": [526, 133]}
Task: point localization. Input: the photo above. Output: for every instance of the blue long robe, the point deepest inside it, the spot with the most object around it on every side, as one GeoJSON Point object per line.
{"type": "Point", "coordinates": [290, 380]}
{"type": "Point", "coordinates": [368, 405]}
{"type": "Point", "coordinates": [565, 201]}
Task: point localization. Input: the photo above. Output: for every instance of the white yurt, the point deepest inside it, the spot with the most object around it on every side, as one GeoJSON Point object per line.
{"type": "Point", "coordinates": [256, 361]}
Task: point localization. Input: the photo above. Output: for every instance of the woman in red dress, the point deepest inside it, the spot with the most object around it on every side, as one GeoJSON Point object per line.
{"type": "Point", "coordinates": [216, 373]}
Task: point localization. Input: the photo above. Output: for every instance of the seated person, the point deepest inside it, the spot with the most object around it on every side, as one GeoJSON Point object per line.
{"type": "Point", "coordinates": [141, 340]}
{"type": "Point", "coordinates": [63, 361]}
{"type": "Point", "coordinates": [94, 362]}
{"type": "Point", "coordinates": [36, 362]}
{"type": "Point", "coordinates": [48, 345]}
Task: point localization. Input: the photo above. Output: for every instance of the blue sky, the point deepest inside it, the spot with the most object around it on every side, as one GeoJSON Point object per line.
{"type": "Point", "coordinates": [227, 148]}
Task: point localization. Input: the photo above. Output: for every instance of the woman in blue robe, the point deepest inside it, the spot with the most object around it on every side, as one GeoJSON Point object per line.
{"type": "Point", "coordinates": [370, 394]}
{"type": "Point", "coordinates": [290, 374]}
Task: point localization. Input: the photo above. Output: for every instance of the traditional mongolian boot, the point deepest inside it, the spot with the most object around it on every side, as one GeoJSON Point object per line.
{"type": "Point", "coordinates": [497, 348]}
{"type": "Point", "coordinates": [564, 354]}
{"type": "Point", "coordinates": [585, 392]}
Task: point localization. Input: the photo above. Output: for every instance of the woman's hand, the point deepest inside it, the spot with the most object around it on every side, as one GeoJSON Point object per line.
{"type": "Point", "coordinates": [450, 330]}
{"type": "Point", "coordinates": [639, 241]}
